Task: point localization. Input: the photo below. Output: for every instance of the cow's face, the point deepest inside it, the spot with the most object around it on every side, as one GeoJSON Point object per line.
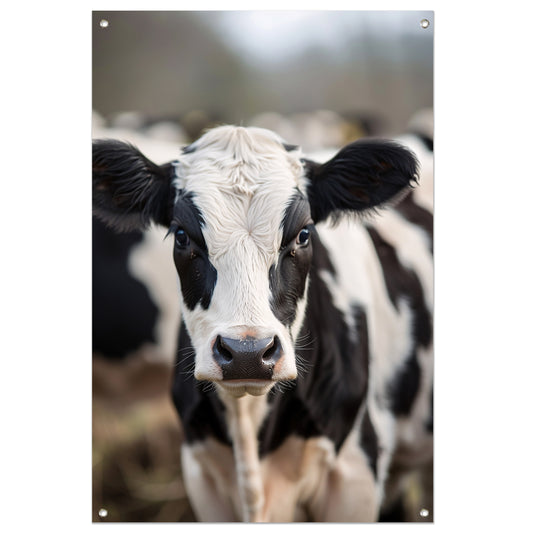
{"type": "Point", "coordinates": [242, 248]}
{"type": "Point", "coordinates": [241, 206]}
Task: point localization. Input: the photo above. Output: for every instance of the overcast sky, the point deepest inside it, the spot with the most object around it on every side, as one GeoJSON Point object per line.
{"type": "Point", "coordinates": [269, 35]}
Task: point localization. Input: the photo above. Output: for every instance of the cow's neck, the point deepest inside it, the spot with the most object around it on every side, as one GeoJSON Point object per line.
{"type": "Point", "coordinates": [244, 417]}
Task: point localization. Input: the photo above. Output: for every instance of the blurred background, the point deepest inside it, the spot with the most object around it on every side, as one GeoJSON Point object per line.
{"type": "Point", "coordinates": [320, 79]}
{"type": "Point", "coordinates": [372, 68]}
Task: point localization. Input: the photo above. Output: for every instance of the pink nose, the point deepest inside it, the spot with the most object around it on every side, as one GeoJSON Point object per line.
{"type": "Point", "coordinates": [247, 358]}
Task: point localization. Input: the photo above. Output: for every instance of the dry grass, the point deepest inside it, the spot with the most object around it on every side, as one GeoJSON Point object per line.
{"type": "Point", "coordinates": [136, 440]}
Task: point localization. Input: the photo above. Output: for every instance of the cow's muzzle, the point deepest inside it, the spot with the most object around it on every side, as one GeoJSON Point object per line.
{"type": "Point", "coordinates": [247, 358]}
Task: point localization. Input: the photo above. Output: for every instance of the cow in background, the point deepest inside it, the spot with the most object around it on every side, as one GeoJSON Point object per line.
{"type": "Point", "coordinates": [135, 313]}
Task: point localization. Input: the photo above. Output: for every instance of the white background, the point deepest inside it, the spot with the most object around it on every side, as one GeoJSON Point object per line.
{"type": "Point", "coordinates": [483, 115]}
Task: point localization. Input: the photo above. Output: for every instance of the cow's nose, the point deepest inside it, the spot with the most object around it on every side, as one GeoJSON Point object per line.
{"type": "Point", "coordinates": [247, 358]}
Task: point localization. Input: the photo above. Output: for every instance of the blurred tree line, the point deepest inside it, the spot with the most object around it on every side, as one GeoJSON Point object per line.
{"type": "Point", "coordinates": [165, 64]}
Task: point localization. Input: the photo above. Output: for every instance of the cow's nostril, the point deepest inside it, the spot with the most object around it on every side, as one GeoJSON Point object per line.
{"type": "Point", "coordinates": [221, 352]}
{"type": "Point", "coordinates": [272, 352]}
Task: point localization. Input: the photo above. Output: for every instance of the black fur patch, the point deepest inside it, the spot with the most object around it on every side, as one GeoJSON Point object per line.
{"type": "Point", "coordinates": [361, 177]}
{"type": "Point", "coordinates": [123, 313]}
{"type": "Point", "coordinates": [129, 190]}
{"type": "Point", "coordinates": [369, 443]}
{"type": "Point", "coordinates": [429, 421]}
{"type": "Point", "coordinates": [288, 415]}
{"type": "Point", "coordinates": [288, 277]}
{"type": "Point", "coordinates": [403, 388]}
{"type": "Point", "coordinates": [297, 215]}
{"type": "Point", "coordinates": [197, 274]}
{"type": "Point", "coordinates": [188, 216]}
{"type": "Point", "coordinates": [287, 280]}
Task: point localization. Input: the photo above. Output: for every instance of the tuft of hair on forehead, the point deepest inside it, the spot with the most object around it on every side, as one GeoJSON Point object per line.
{"type": "Point", "coordinates": [242, 155]}
{"type": "Point", "coordinates": [241, 142]}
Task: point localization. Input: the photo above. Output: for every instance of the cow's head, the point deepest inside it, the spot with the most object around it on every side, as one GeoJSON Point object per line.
{"type": "Point", "coordinates": [241, 207]}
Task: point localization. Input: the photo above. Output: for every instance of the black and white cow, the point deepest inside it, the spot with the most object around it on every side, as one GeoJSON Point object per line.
{"type": "Point", "coordinates": [133, 312]}
{"type": "Point", "coordinates": [304, 371]}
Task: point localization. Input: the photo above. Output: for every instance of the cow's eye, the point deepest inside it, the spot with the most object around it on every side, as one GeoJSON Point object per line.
{"type": "Point", "coordinates": [303, 237]}
{"type": "Point", "coordinates": [182, 239]}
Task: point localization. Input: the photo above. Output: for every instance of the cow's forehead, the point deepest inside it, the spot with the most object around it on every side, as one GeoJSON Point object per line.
{"type": "Point", "coordinates": [242, 180]}
{"type": "Point", "coordinates": [239, 160]}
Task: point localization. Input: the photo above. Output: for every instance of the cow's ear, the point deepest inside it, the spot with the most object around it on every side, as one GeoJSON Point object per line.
{"type": "Point", "coordinates": [129, 190]}
{"type": "Point", "coordinates": [363, 176]}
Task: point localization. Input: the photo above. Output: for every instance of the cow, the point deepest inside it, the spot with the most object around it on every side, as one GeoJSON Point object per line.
{"type": "Point", "coordinates": [303, 378]}
{"type": "Point", "coordinates": [133, 313]}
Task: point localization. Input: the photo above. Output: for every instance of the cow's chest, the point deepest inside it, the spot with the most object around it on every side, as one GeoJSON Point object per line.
{"type": "Point", "coordinates": [291, 477]}
{"type": "Point", "coordinates": [301, 480]}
